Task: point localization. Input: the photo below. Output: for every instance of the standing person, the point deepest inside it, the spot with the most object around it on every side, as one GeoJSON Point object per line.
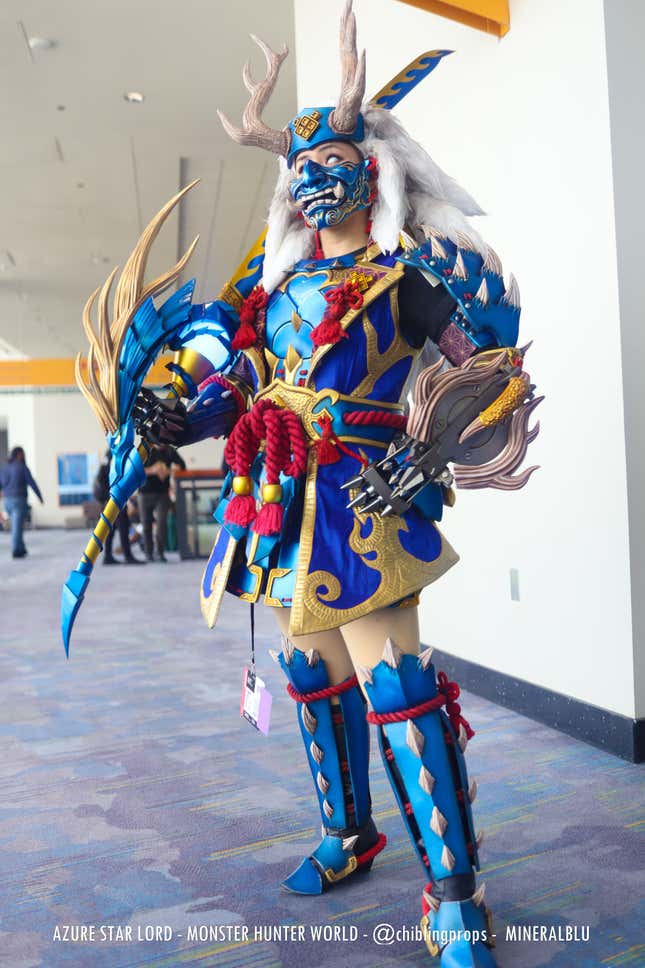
{"type": "Point", "coordinates": [154, 498]}
{"type": "Point", "coordinates": [15, 478]}
{"type": "Point", "coordinates": [122, 523]}
{"type": "Point", "coordinates": [303, 362]}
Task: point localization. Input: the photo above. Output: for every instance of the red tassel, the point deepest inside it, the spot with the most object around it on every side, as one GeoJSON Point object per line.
{"type": "Point", "coordinates": [269, 519]}
{"type": "Point", "coordinates": [241, 510]}
{"type": "Point", "coordinates": [244, 337]}
{"type": "Point", "coordinates": [326, 453]}
{"type": "Point", "coordinates": [328, 331]}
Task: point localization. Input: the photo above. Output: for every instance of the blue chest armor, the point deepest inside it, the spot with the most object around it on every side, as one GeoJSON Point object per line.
{"type": "Point", "coordinates": [292, 315]}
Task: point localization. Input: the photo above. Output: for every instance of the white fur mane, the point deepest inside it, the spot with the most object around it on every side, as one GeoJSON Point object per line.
{"type": "Point", "coordinates": [414, 196]}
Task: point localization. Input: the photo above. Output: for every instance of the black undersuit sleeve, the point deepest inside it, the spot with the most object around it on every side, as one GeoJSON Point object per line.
{"type": "Point", "coordinates": [424, 309]}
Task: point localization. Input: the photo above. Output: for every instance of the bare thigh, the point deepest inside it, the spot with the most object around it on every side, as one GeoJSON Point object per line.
{"type": "Point", "coordinates": [329, 645]}
{"type": "Point", "coordinates": [365, 638]}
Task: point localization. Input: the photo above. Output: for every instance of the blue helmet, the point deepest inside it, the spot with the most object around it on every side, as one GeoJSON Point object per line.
{"type": "Point", "coordinates": [314, 126]}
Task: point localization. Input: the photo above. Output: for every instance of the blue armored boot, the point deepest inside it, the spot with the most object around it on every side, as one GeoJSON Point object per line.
{"type": "Point", "coordinates": [422, 748]}
{"type": "Point", "coordinates": [336, 737]}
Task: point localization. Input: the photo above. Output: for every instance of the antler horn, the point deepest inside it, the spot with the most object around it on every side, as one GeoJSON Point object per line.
{"type": "Point", "coordinates": [344, 117]}
{"type": "Point", "coordinates": [254, 131]}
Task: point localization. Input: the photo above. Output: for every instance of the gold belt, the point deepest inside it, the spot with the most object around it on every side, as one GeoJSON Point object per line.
{"type": "Point", "coordinates": [305, 402]}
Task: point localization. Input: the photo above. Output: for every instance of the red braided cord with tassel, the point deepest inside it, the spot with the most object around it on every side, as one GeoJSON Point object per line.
{"type": "Point", "coordinates": [447, 696]}
{"type": "Point", "coordinates": [329, 445]}
{"type": "Point", "coordinates": [285, 452]}
{"type": "Point", "coordinates": [339, 300]}
{"type": "Point", "coordinates": [252, 312]}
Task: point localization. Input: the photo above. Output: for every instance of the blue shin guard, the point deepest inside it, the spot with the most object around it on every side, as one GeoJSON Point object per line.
{"type": "Point", "coordinates": [336, 737]}
{"type": "Point", "coordinates": [423, 755]}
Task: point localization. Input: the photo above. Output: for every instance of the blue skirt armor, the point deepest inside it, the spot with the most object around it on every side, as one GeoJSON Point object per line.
{"type": "Point", "coordinates": [330, 564]}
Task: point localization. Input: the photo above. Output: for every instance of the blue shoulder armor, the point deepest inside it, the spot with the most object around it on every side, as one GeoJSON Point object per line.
{"type": "Point", "coordinates": [487, 312]}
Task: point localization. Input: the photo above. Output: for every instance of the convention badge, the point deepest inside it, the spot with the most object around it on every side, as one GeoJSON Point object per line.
{"type": "Point", "coordinates": [255, 705]}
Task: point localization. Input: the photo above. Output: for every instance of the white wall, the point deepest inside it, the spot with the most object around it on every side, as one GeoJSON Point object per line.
{"type": "Point", "coordinates": [52, 423]}
{"type": "Point", "coordinates": [523, 123]}
{"type": "Point", "coordinates": [625, 26]}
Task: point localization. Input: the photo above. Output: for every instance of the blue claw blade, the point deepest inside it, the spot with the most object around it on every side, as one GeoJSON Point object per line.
{"type": "Point", "coordinates": [71, 600]}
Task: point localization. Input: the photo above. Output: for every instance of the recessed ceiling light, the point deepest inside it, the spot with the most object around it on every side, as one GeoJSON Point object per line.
{"type": "Point", "coordinates": [41, 43]}
{"type": "Point", "coordinates": [60, 107]}
{"type": "Point", "coordinates": [134, 97]}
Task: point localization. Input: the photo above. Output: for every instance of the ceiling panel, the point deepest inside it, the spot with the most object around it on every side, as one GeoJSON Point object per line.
{"type": "Point", "coordinates": [82, 168]}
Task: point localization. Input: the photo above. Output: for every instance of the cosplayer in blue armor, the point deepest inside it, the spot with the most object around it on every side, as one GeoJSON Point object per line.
{"type": "Point", "coordinates": [304, 363]}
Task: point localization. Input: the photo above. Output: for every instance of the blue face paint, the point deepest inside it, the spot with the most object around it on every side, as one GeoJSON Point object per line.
{"type": "Point", "coordinates": [327, 195]}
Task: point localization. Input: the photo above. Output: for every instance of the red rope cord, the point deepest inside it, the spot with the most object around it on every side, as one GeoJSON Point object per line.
{"type": "Point", "coordinates": [286, 445]}
{"type": "Point", "coordinates": [412, 712]}
{"type": "Point", "coordinates": [379, 418]}
{"type": "Point", "coordinates": [446, 696]}
{"type": "Point", "coordinates": [223, 382]}
{"type": "Point", "coordinates": [241, 446]}
{"type": "Point", "coordinates": [322, 693]}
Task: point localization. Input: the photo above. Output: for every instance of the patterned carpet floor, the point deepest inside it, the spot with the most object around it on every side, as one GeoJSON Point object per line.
{"type": "Point", "coordinates": [134, 797]}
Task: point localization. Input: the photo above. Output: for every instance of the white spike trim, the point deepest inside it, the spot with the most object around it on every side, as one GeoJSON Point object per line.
{"type": "Point", "coordinates": [478, 896]}
{"type": "Point", "coordinates": [316, 752]}
{"type": "Point", "coordinates": [348, 842]}
{"type": "Point", "coordinates": [438, 823]}
{"type": "Point", "coordinates": [287, 650]}
{"type": "Point", "coordinates": [407, 240]}
{"type": "Point", "coordinates": [365, 674]}
{"type": "Point", "coordinates": [414, 738]}
{"type": "Point", "coordinates": [447, 858]}
{"type": "Point", "coordinates": [465, 242]}
{"type": "Point", "coordinates": [459, 269]}
{"type": "Point", "coordinates": [312, 657]}
{"type": "Point", "coordinates": [462, 738]}
{"type": "Point", "coordinates": [327, 809]}
{"type": "Point", "coordinates": [426, 780]}
{"type": "Point", "coordinates": [436, 249]}
{"type": "Point", "coordinates": [492, 262]}
{"type": "Point", "coordinates": [323, 783]}
{"type": "Point", "coordinates": [479, 839]}
{"type": "Point", "coordinates": [392, 654]}
{"type": "Point", "coordinates": [309, 719]}
{"type": "Point", "coordinates": [425, 658]}
{"type": "Point", "coordinates": [472, 791]}
{"type": "Point", "coordinates": [433, 903]}
{"type": "Point", "coordinates": [275, 656]}
{"type": "Point", "coordinates": [482, 293]}
{"type": "Point", "coordinates": [512, 295]}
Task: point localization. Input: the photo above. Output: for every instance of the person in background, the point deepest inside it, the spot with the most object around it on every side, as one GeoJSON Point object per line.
{"type": "Point", "coordinates": [122, 523]}
{"type": "Point", "coordinates": [154, 498]}
{"type": "Point", "coordinates": [15, 478]}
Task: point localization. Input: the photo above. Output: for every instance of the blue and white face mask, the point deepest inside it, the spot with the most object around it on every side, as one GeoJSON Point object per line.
{"type": "Point", "coordinates": [327, 195]}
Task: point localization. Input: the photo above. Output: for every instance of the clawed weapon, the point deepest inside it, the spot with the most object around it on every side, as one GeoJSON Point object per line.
{"type": "Point", "coordinates": [474, 416]}
{"type": "Point", "coordinates": [119, 357]}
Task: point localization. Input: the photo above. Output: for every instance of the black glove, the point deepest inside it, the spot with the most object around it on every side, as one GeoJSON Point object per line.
{"type": "Point", "coordinates": [159, 421]}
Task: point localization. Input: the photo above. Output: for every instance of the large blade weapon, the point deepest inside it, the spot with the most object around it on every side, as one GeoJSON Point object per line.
{"type": "Point", "coordinates": [119, 357]}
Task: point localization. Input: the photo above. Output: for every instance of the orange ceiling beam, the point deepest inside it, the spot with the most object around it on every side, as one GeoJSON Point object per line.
{"type": "Point", "coordinates": [491, 16]}
{"type": "Point", "coordinates": [60, 373]}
